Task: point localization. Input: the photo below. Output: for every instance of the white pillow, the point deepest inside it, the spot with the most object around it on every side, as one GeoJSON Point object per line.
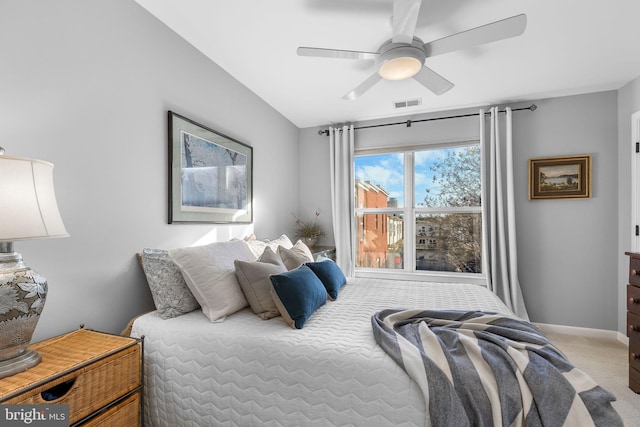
{"type": "Point", "coordinates": [283, 241]}
{"type": "Point", "coordinates": [257, 246]}
{"type": "Point", "coordinates": [210, 276]}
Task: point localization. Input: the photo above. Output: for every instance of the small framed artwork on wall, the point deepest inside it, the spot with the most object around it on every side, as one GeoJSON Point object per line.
{"type": "Point", "coordinates": [210, 175]}
{"type": "Point", "coordinates": [564, 177]}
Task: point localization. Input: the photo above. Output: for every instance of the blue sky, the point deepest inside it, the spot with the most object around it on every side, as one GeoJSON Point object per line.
{"type": "Point", "coordinates": [386, 170]}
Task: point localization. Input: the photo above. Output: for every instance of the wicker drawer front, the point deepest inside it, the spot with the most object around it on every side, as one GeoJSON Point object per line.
{"type": "Point", "coordinates": [94, 386]}
{"type": "Point", "coordinates": [125, 413]}
{"type": "Point", "coordinates": [633, 299]}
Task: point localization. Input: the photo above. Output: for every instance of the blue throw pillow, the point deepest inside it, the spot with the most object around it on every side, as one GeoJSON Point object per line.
{"type": "Point", "coordinates": [297, 294]}
{"type": "Point", "coordinates": [330, 275]}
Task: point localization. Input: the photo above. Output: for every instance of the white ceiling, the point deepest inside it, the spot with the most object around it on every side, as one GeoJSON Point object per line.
{"type": "Point", "coordinates": [569, 47]}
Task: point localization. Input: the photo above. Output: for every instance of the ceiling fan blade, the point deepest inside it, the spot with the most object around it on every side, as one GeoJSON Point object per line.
{"type": "Point", "coordinates": [335, 53]}
{"type": "Point", "coordinates": [499, 30]}
{"type": "Point", "coordinates": [405, 17]}
{"type": "Point", "coordinates": [433, 81]}
{"type": "Point", "coordinates": [363, 87]}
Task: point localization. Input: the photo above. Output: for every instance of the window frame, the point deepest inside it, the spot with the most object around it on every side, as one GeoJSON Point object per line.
{"type": "Point", "coordinates": [409, 212]}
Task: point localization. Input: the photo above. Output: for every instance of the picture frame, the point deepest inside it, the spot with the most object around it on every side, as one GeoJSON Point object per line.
{"type": "Point", "coordinates": [210, 175]}
{"type": "Point", "coordinates": [561, 177]}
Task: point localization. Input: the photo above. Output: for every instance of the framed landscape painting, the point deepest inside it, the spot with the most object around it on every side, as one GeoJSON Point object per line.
{"type": "Point", "coordinates": [210, 175]}
{"type": "Point", "coordinates": [565, 177]}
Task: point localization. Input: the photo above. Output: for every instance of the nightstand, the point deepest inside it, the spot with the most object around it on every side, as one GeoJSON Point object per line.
{"type": "Point", "coordinates": [325, 251]}
{"type": "Point", "coordinates": [98, 375]}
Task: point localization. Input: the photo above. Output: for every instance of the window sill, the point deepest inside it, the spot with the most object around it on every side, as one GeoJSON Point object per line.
{"type": "Point", "coordinates": [475, 279]}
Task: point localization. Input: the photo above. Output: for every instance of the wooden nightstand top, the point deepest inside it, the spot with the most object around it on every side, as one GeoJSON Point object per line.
{"type": "Point", "coordinates": [64, 354]}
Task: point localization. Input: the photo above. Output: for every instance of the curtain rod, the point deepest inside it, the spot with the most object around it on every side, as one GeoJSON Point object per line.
{"type": "Point", "coordinates": [408, 123]}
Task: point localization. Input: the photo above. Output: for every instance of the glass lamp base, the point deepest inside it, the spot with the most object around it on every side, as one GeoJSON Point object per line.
{"type": "Point", "coordinates": [20, 363]}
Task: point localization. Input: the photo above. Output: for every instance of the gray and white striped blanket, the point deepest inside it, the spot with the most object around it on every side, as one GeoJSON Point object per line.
{"type": "Point", "coordinates": [484, 369]}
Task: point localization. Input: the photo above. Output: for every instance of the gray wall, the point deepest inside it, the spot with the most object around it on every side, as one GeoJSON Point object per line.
{"type": "Point", "coordinates": [87, 85]}
{"type": "Point", "coordinates": [567, 249]}
{"type": "Point", "coordinates": [628, 104]}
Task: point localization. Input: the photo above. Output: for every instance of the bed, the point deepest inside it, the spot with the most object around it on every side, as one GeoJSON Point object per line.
{"type": "Point", "coordinates": [239, 369]}
{"type": "Point", "coordinates": [246, 371]}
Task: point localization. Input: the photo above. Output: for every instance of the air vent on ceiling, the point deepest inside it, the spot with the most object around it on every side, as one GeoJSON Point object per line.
{"type": "Point", "coordinates": [407, 103]}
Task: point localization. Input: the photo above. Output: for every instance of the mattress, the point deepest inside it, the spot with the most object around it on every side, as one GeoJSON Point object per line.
{"type": "Point", "coordinates": [246, 371]}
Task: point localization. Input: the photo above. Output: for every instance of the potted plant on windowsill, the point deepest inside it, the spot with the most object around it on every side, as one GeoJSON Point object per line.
{"type": "Point", "coordinates": [310, 232]}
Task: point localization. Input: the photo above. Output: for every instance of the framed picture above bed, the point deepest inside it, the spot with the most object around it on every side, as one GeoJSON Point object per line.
{"type": "Point", "coordinates": [564, 177]}
{"type": "Point", "coordinates": [210, 175]}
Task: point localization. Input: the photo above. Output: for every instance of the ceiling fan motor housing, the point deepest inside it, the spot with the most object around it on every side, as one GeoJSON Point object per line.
{"type": "Point", "coordinates": [399, 61]}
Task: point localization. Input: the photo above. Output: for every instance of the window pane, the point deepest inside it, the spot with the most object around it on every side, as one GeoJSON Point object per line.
{"type": "Point", "coordinates": [380, 240]}
{"type": "Point", "coordinates": [449, 242]}
{"type": "Point", "coordinates": [379, 180]}
{"type": "Point", "coordinates": [447, 177]}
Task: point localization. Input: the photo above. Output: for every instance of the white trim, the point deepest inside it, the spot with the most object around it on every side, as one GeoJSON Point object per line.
{"type": "Point", "coordinates": [622, 338]}
{"type": "Point", "coordinates": [417, 146]}
{"type": "Point", "coordinates": [409, 214]}
{"type": "Point", "coordinates": [422, 276]}
{"type": "Point", "coordinates": [583, 332]}
{"type": "Point", "coordinates": [635, 177]}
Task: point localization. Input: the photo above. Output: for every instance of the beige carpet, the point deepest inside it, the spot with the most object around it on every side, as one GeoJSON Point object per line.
{"type": "Point", "coordinates": [606, 361]}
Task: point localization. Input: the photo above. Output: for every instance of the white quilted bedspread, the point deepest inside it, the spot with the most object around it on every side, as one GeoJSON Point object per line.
{"type": "Point", "coordinates": [251, 372]}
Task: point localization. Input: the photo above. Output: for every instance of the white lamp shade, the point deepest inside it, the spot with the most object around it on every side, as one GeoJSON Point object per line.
{"type": "Point", "coordinates": [28, 207]}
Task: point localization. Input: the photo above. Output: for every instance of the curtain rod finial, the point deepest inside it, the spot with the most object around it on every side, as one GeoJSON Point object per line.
{"type": "Point", "coordinates": [533, 107]}
{"type": "Point", "coordinates": [323, 132]}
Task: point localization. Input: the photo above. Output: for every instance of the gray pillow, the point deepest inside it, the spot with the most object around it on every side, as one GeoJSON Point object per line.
{"type": "Point", "coordinates": [256, 285]}
{"type": "Point", "coordinates": [296, 256]}
{"type": "Point", "coordinates": [269, 255]}
{"type": "Point", "coordinates": [169, 291]}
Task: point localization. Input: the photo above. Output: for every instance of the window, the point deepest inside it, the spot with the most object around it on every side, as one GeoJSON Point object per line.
{"type": "Point", "coordinates": [419, 210]}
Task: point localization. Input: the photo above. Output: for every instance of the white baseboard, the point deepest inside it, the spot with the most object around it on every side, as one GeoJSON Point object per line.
{"type": "Point", "coordinates": [583, 332]}
{"type": "Point", "coordinates": [622, 338]}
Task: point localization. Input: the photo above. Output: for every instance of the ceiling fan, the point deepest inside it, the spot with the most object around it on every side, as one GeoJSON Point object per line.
{"type": "Point", "coordinates": [404, 55]}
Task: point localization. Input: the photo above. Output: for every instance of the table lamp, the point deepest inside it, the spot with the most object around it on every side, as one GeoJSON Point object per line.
{"type": "Point", "coordinates": [28, 210]}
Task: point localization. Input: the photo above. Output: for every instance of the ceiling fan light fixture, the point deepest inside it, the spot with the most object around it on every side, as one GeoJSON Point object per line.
{"type": "Point", "coordinates": [400, 68]}
{"type": "Point", "coordinates": [399, 62]}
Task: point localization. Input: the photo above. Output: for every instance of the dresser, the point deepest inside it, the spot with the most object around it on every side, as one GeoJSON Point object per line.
{"type": "Point", "coordinates": [98, 375]}
{"type": "Point", "coordinates": [633, 320]}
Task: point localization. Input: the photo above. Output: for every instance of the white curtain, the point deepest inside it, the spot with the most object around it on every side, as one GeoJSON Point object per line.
{"type": "Point", "coordinates": [500, 258]}
{"type": "Point", "coordinates": [341, 159]}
